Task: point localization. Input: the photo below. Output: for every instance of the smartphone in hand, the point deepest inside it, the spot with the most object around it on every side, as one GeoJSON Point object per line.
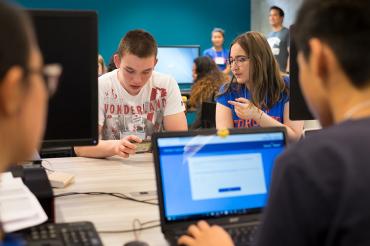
{"type": "Point", "coordinates": [144, 146]}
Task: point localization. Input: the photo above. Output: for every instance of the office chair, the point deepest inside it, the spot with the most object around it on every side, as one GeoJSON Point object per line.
{"type": "Point", "coordinates": [208, 115]}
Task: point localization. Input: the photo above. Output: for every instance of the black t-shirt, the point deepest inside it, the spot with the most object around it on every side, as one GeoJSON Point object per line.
{"type": "Point", "coordinates": [320, 191]}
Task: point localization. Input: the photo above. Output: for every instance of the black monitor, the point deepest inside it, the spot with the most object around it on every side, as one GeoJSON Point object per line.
{"type": "Point", "coordinates": [178, 61]}
{"type": "Point", "coordinates": [70, 39]}
{"type": "Point", "coordinates": [298, 109]}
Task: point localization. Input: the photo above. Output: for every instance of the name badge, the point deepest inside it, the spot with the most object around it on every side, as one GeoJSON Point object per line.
{"type": "Point", "coordinates": [220, 60]}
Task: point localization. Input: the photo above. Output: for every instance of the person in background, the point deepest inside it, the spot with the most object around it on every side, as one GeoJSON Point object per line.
{"type": "Point", "coordinates": [102, 69]}
{"type": "Point", "coordinates": [279, 38]}
{"type": "Point", "coordinates": [134, 100]}
{"type": "Point", "coordinates": [217, 53]}
{"type": "Point", "coordinates": [257, 95]}
{"type": "Point", "coordinates": [320, 187]}
{"type": "Point", "coordinates": [23, 93]}
{"type": "Point", "coordinates": [111, 65]}
{"type": "Point", "coordinates": [207, 81]}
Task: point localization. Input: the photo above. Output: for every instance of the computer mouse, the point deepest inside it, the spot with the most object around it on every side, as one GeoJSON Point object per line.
{"type": "Point", "coordinates": [136, 243]}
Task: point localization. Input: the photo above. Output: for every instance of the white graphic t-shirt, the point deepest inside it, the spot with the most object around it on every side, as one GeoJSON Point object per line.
{"type": "Point", "coordinates": [121, 114]}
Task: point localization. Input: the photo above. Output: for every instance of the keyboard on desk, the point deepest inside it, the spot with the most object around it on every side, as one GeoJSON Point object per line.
{"type": "Point", "coordinates": [243, 235]}
{"type": "Point", "coordinates": [63, 234]}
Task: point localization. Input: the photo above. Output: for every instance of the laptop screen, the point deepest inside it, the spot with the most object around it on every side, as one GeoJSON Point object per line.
{"type": "Point", "coordinates": [211, 176]}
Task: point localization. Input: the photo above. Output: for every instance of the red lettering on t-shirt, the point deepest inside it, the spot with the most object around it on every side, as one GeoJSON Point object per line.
{"type": "Point", "coordinates": [150, 116]}
{"type": "Point", "coordinates": [153, 94]}
{"type": "Point", "coordinates": [106, 106]}
{"type": "Point", "coordinates": [239, 123]}
{"type": "Point", "coordinates": [152, 109]}
{"type": "Point", "coordinates": [138, 109]}
{"type": "Point", "coordinates": [111, 108]}
{"type": "Point", "coordinates": [126, 109]}
{"type": "Point", "coordinates": [114, 94]}
{"type": "Point", "coordinates": [163, 92]}
{"type": "Point", "coordinates": [119, 109]}
{"type": "Point", "coordinates": [253, 123]}
{"type": "Point", "coordinates": [245, 123]}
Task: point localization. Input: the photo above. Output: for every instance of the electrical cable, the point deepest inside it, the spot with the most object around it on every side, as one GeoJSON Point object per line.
{"type": "Point", "coordinates": [114, 194]}
{"type": "Point", "coordinates": [142, 227]}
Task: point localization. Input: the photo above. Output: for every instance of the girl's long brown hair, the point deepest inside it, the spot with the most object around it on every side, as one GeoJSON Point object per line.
{"type": "Point", "coordinates": [208, 81]}
{"type": "Point", "coordinates": [264, 74]}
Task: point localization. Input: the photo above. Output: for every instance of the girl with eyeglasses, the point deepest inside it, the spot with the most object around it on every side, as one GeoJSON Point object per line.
{"type": "Point", "coordinates": [257, 95]}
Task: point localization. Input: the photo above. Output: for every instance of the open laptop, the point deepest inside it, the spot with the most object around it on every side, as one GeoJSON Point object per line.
{"type": "Point", "coordinates": [224, 180]}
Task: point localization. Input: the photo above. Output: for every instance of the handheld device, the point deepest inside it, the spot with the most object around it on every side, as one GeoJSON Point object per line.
{"type": "Point", "coordinates": [144, 146]}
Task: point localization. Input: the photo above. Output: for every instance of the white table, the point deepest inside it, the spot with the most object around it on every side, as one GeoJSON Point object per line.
{"type": "Point", "coordinates": [106, 212]}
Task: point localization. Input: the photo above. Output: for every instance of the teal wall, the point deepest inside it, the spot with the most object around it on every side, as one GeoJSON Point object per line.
{"type": "Point", "coordinates": [172, 22]}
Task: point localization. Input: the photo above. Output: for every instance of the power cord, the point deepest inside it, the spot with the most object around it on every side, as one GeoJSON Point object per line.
{"type": "Point", "coordinates": [114, 194]}
{"type": "Point", "coordinates": [137, 226]}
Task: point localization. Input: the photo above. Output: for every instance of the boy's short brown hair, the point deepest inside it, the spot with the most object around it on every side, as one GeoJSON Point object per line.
{"type": "Point", "coordinates": [344, 25]}
{"type": "Point", "coordinates": [139, 43]}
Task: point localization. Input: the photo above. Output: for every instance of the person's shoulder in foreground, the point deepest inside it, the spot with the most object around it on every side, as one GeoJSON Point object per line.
{"type": "Point", "coordinates": [342, 146]}
{"type": "Point", "coordinates": [317, 184]}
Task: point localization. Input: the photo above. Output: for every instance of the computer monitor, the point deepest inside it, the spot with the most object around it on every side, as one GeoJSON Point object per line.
{"type": "Point", "coordinates": [178, 61]}
{"type": "Point", "coordinates": [298, 109]}
{"type": "Point", "coordinates": [70, 39]}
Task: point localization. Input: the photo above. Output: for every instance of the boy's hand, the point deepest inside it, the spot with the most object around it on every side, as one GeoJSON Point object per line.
{"type": "Point", "coordinates": [203, 234]}
{"type": "Point", "coordinates": [126, 147]}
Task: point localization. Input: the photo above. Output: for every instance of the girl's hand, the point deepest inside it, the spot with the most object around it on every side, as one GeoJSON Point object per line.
{"type": "Point", "coordinates": [245, 109]}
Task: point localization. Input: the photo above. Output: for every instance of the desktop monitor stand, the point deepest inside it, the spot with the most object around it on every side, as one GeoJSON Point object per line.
{"type": "Point", "coordinates": [56, 152]}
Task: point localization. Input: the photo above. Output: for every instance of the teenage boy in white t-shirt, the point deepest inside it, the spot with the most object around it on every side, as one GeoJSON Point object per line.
{"type": "Point", "coordinates": [135, 101]}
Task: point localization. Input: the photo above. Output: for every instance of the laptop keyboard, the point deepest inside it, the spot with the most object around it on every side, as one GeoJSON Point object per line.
{"type": "Point", "coordinates": [243, 235]}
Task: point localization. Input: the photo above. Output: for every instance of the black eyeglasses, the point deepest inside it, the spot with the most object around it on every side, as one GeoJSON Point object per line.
{"type": "Point", "coordinates": [238, 60]}
{"type": "Point", "coordinates": [51, 74]}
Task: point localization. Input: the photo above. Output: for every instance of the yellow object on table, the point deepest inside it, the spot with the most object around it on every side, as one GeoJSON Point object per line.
{"type": "Point", "coordinates": [223, 133]}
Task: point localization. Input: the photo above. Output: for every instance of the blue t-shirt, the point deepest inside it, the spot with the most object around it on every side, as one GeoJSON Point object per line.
{"type": "Point", "coordinates": [219, 57]}
{"type": "Point", "coordinates": [236, 91]}
{"type": "Point", "coordinates": [12, 239]}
